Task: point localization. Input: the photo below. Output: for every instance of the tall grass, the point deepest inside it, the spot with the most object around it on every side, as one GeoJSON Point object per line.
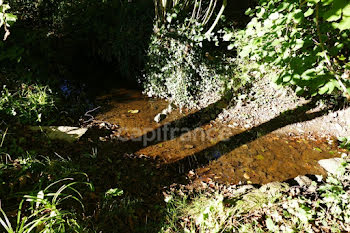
{"type": "Point", "coordinates": [44, 212]}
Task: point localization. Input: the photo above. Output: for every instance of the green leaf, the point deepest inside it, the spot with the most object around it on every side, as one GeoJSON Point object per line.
{"type": "Point", "coordinates": [309, 12]}
{"type": "Point", "coordinates": [230, 46]}
{"type": "Point", "coordinates": [11, 17]}
{"type": "Point", "coordinates": [313, 1]}
{"type": "Point", "coordinates": [335, 13]}
{"type": "Point", "coordinates": [114, 192]}
{"type": "Point", "coordinates": [298, 16]}
{"type": "Point", "coordinates": [227, 36]}
{"type": "Point", "coordinates": [344, 24]}
{"type": "Point", "coordinates": [270, 225]}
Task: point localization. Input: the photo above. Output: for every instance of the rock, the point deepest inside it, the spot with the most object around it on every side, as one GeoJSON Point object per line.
{"type": "Point", "coordinates": [66, 133]}
{"type": "Point", "coordinates": [163, 114]}
{"type": "Point", "coordinates": [159, 117]}
{"type": "Point", "coordinates": [303, 181]}
{"type": "Point", "coordinates": [274, 187]}
{"type": "Point", "coordinates": [330, 165]}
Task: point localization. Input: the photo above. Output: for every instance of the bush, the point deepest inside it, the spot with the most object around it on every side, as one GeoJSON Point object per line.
{"type": "Point", "coordinates": [306, 44]}
{"type": "Point", "coordinates": [182, 66]}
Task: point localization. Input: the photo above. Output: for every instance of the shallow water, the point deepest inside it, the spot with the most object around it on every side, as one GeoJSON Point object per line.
{"type": "Point", "coordinates": [215, 151]}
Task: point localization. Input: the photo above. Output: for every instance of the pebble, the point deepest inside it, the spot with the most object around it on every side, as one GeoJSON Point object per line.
{"type": "Point", "coordinates": [246, 176]}
{"type": "Point", "coordinates": [247, 126]}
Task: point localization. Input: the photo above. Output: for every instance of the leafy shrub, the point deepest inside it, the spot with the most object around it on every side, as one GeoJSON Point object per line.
{"type": "Point", "coordinates": [306, 44]}
{"type": "Point", "coordinates": [27, 103]}
{"type": "Point", "coordinates": [182, 67]}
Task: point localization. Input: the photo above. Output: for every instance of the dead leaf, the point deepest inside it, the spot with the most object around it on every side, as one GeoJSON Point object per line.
{"type": "Point", "coordinates": [246, 176]}
{"type": "Point", "coordinates": [133, 111]}
{"type": "Point", "coordinates": [189, 146]}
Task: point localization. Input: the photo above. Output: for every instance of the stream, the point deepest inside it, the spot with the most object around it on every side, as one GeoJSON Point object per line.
{"type": "Point", "coordinates": [198, 144]}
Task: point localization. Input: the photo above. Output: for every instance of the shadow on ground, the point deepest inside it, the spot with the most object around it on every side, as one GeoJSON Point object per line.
{"type": "Point", "coordinates": [142, 208]}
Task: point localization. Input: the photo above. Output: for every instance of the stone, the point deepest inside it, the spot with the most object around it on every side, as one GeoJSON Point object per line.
{"type": "Point", "coordinates": [159, 117]}
{"type": "Point", "coordinates": [163, 114]}
{"type": "Point", "coordinates": [65, 133]}
{"type": "Point", "coordinates": [330, 165]}
{"type": "Point", "coordinates": [303, 181]}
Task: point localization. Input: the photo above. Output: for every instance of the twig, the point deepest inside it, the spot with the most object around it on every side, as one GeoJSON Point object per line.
{"type": "Point", "coordinates": [87, 114]}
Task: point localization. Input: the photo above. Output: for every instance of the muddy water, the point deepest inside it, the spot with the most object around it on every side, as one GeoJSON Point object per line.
{"type": "Point", "coordinates": [229, 157]}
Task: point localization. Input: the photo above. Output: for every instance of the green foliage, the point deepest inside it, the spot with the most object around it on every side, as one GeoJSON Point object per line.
{"type": "Point", "coordinates": [6, 19]}
{"type": "Point", "coordinates": [44, 213]}
{"type": "Point", "coordinates": [306, 44]}
{"type": "Point", "coordinates": [74, 34]}
{"type": "Point", "coordinates": [344, 142]}
{"type": "Point", "coordinates": [116, 192]}
{"type": "Point", "coordinates": [27, 103]}
{"type": "Point", "coordinates": [182, 67]}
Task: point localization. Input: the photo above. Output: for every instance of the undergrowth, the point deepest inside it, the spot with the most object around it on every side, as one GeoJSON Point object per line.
{"type": "Point", "coordinates": [29, 104]}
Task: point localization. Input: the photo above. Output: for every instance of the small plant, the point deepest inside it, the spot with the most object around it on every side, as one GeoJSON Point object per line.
{"type": "Point", "coordinates": [27, 103]}
{"type": "Point", "coordinates": [44, 212]}
{"type": "Point", "coordinates": [344, 142]}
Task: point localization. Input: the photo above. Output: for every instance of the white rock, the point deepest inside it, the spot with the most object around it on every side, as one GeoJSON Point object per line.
{"type": "Point", "coordinates": [159, 117]}
{"type": "Point", "coordinates": [66, 133]}
{"type": "Point", "coordinates": [303, 180]}
{"type": "Point", "coordinates": [163, 114]}
{"type": "Point", "coordinates": [330, 165]}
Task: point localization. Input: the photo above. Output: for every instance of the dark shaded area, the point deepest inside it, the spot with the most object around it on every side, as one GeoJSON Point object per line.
{"type": "Point", "coordinates": [99, 43]}
{"type": "Point", "coordinates": [235, 12]}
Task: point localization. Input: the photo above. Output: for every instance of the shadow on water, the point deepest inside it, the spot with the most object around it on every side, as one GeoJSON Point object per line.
{"type": "Point", "coordinates": [145, 178]}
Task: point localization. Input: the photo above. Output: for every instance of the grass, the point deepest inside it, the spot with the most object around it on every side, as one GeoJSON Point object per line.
{"type": "Point", "coordinates": [44, 213]}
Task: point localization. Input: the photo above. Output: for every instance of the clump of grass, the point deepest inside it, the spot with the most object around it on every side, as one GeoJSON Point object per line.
{"type": "Point", "coordinates": [44, 213]}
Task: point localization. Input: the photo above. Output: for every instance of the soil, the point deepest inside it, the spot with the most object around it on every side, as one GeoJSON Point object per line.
{"type": "Point", "coordinates": [267, 101]}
